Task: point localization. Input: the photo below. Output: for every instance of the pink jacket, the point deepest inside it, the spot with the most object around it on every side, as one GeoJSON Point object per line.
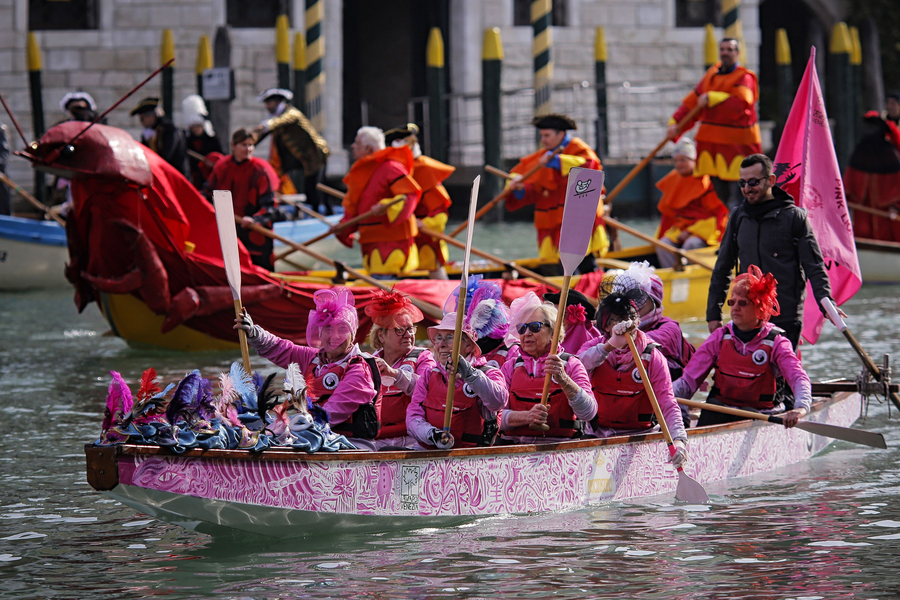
{"type": "Point", "coordinates": [578, 335]}
{"type": "Point", "coordinates": [491, 391]}
{"type": "Point", "coordinates": [784, 362]}
{"type": "Point", "coordinates": [667, 333]}
{"type": "Point", "coordinates": [355, 388]}
{"type": "Point", "coordinates": [406, 380]}
{"type": "Point", "coordinates": [658, 370]}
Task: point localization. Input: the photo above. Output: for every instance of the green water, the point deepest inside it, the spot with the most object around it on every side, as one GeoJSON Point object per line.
{"type": "Point", "coordinates": [827, 528]}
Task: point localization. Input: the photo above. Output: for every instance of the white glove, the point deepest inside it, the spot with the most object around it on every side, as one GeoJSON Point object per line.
{"type": "Point", "coordinates": [680, 456]}
{"type": "Point", "coordinates": [619, 330]}
{"type": "Point", "coordinates": [441, 440]}
{"type": "Point", "coordinates": [246, 323]}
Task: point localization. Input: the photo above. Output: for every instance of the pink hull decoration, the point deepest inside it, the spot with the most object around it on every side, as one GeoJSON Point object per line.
{"type": "Point", "coordinates": [444, 486]}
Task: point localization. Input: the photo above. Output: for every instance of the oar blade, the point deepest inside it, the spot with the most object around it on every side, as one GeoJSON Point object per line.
{"type": "Point", "coordinates": [228, 239]}
{"type": "Point", "coordinates": [689, 490]}
{"type": "Point", "coordinates": [847, 434]}
{"type": "Point", "coordinates": [582, 200]}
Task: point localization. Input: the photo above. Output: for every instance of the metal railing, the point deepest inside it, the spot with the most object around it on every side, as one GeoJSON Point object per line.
{"type": "Point", "coordinates": [638, 115]}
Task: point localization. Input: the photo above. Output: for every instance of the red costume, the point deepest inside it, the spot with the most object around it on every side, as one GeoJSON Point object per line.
{"type": "Point", "coordinates": [252, 184]}
{"type": "Point", "coordinates": [729, 130]}
{"type": "Point", "coordinates": [690, 204]}
{"type": "Point", "coordinates": [388, 240]}
{"type": "Point", "coordinates": [872, 178]}
{"type": "Point", "coordinates": [546, 189]}
{"type": "Point", "coordinates": [432, 210]}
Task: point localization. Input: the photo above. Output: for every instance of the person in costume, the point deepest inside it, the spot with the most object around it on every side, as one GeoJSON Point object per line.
{"type": "Point", "coordinates": [729, 128]}
{"type": "Point", "coordinates": [623, 406]}
{"type": "Point", "coordinates": [749, 354]}
{"type": "Point", "coordinates": [200, 138]}
{"type": "Point", "coordinates": [400, 363]}
{"type": "Point", "coordinates": [342, 379]}
{"type": "Point", "coordinates": [546, 189]}
{"type": "Point", "coordinates": [872, 178]}
{"type": "Point", "coordinates": [160, 134]}
{"type": "Point", "coordinates": [79, 106]}
{"type": "Point", "coordinates": [434, 204]}
{"type": "Point", "coordinates": [692, 215]}
{"type": "Point", "coordinates": [579, 320]}
{"type": "Point", "coordinates": [378, 176]}
{"type": "Point", "coordinates": [892, 107]}
{"type": "Point", "coordinates": [570, 404]}
{"type": "Point", "coordinates": [298, 153]}
{"type": "Point", "coordinates": [479, 394]}
{"type": "Point", "coordinates": [489, 317]}
{"type": "Point", "coordinates": [252, 183]}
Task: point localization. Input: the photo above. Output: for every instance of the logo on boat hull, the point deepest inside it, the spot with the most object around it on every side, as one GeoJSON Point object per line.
{"type": "Point", "coordinates": [409, 487]}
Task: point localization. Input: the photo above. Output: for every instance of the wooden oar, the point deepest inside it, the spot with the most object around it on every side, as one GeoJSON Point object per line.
{"type": "Point", "coordinates": [689, 489]}
{"type": "Point", "coordinates": [34, 201]}
{"type": "Point", "coordinates": [199, 157]}
{"type": "Point", "coordinates": [225, 220]}
{"type": "Point", "coordinates": [847, 434]}
{"type": "Point", "coordinates": [835, 317]}
{"type": "Point", "coordinates": [506, 191]}
{"type": "Point", "coordinates": [874, 211]}
{"type": "Point", "coordinates": [655, 242]}
{"type": "Point", "coordinates": [295, 200]}
{"type": "Point", "coordinates": [508, 264]}
{"type": "Point", "coordinates": [429, 309]}
{"type": "Point", "coordinates": [460, 310]}
{"type": "Point", "coordinates": [582, 200]}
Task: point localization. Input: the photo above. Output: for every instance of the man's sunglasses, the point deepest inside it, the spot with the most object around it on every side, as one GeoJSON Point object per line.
{"type": "Point", "coordinates": [533, 327]}
{"type": "Point", "coordinates": [752, 182]}
{"type": "Point", "coordinates": [741, 303]}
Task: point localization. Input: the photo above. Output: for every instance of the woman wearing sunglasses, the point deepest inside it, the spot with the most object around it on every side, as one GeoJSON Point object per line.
{"type": "Point", "coordinates": [570, 403]}
{"type": "Point", "coordinates": [623, 406]}
{"type": "Point", "coordinates": [480, 392]}
{"type": "Point", "coordinates": [400, 363]}
{"type": "Point", "coordinates": [341, 378]}
{"type": "Point", "coordinates": [750, 356]}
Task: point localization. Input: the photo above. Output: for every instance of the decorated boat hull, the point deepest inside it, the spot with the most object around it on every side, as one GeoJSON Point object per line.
{"type": "Point", "coordinates": [32, 254]}
{"type": "Point", "coordinates": [287, 494]}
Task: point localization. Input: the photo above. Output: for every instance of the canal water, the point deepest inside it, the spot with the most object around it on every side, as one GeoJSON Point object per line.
{"type": "Point", "coordinates": [826, 528]}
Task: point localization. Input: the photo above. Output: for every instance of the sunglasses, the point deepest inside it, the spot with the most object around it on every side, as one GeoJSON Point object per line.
{"type": "Point", "coordinates": [401, 331]}
{"type": "Point", "coordinates": [533, 327]}
{"type": "Point", "coordinates": [438, 339]}
{"type": "Point", "coordinates": [752, 182]}
{"type": "Point", "coordinates": [741, 303]}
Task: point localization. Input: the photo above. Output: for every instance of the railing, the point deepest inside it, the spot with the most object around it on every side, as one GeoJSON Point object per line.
{"type": "Point", "coordinates": [637, 113]}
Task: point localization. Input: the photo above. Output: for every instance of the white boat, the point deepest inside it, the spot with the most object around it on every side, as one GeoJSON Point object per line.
{"type": "Point", "coordinates": [879, 261]}
{"type": "Point", "coordinates": [33, 254]}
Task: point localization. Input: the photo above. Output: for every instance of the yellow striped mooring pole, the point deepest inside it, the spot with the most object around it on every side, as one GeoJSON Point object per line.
{"type": "Point", "coordinates": [315, 67]}
{"type": "Point", "coordinates": [543, 61]}
{"type": "Point", "coordinates": [283, 51]}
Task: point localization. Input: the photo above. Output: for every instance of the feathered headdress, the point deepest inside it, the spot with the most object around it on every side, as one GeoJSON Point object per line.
{"type": "Point", "coordinates": [638, 276]}
{"type": "Point", "coordinates": [266, 397]}
{"type": "Point", "coordinates": [119, 401]}
{"type": "Point", "coordinates": [333, 306]}
{"type": "Point", "coordinates": [184, 400]}
{"type": "Point", "coordinates": [149, 387]}
{"type": "Point", "coordinates": [295, 386]}
{"type": "Point", "coordinates": [385, 307]}
{"type": "Point", "coordinates": [243, 385]}
{"type": "Point", "coordinates": [519, 311]}
{"type": "Point", "coordinates": [623, 305]}
{"type": "Point", "coordinates": [487, 316]}
{"type": "Point", "coordinates": [451, 304]}
{"type": "Point", "coordinates": [205, 408]}
{"type": "Point", "coordinates": [761, 291]}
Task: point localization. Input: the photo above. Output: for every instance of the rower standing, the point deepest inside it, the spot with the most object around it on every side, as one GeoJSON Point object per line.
{"type": "Point", "coordinates": [201, 138]}
{"type": "Point", "coordinates": [546, 189]}
{"type": "Point", "coordinates": [160, 134]}
{"type": "Point", "coordinates": [435, 203]}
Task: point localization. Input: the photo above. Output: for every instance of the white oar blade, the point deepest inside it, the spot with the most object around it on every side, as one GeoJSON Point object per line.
{"type": "Point", "coordinates": [847, 434]}
{"type": "Point", "coordinates": [228, 239]}
{"type": "Point", "coordinates": [689, 490]}
{"type": "Point", "coordinates": [473, 208]}
{"type": "Point", "coordinates": [579, 213]}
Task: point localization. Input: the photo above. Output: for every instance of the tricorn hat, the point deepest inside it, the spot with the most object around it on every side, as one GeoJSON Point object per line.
{"type": "Point", "coordinates": [400, 133]}
{"type": "Point", "coordinates": [145, 105]}
{"type": "Point", "coordinates": [554, 121]}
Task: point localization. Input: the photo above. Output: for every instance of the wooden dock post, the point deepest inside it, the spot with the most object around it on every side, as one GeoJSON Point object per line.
{"type": "Point", "coordinates": [167, 53]}
{"type": "Point", "coordinates": [434, 52]}
{"type": "Point", "coordinates": [299, 72]}
{"type": "Point", "coordinates": [283, 51]}
{"type": "Point", "coordinates": [710, 47]}
{"type": "Point", "coordinates": [784, 78]}
{"type": "Point", "coordinates": [220, 110]}
{"type": "Point", "coordinates": [35, 88]}
{"type": "Point", "coordinates": [491, 109]}
{"type": "Point", "coordinates": [600, 54]}
{"type": "Point", "coordinates": [856, 111]}
{"type": "Point", "coordinates": [204, 60]}
{"type": "Point", "coordinates": [315, 64]}
{"type": "Point", "coordinates": [839, 85]}
{"type": "Point", "coordinates": [541, 20]}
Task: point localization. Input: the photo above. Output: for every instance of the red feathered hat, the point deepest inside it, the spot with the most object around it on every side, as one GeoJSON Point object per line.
{"type": "Point", "coordinates": [387, 306]}
{"type": "Point", "coordinates": [761, 292]}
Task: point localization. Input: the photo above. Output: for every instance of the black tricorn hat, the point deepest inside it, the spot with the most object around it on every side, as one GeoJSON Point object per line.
{"type": "Point", "coordinates": [573, 299]}
{"type": "Point", "coordinates": [145, 105]}
{"type": "Point", "coordinates": [554, 121]}
{"type": "Point", "coordinates": [400, 133]}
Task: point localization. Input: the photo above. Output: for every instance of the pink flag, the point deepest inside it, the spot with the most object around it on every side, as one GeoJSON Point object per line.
{"type": "Point", "coordinates": [807, 168]}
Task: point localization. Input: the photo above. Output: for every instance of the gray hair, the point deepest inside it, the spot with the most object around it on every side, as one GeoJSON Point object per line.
{"type": "Point", "coordinates": [372, 138]}
{"type": "Point", "coordinates": [550, 312]}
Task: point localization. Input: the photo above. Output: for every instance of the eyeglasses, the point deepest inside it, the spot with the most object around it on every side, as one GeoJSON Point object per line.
{"type": "Point", "coordinates": [533, 327]}
{"type": "Point", "coordinates": [401, 331]}
{"type": "Point", "coordinates": [741, 303]}
{"type": "Point", "coordinates": [752, 182]}
{"type": "Point", "coordinates": [438, 339]}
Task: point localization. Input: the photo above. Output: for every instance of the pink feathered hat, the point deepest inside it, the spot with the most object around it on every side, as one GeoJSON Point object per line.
{"type": "Point", "coordinates": [333, 307]}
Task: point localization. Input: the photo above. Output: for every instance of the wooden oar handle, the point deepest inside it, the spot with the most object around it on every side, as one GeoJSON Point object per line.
{"type": "Point", "coordinates": [655, 242]}
{"type": "Point", "coordinates": [874, 211]}
{"type": "Point", "coordinates": [554, 346]}
{"type": "Point", "coordinates": [31, 199]}
{"type": "Point", "coordinates": [746, 414]}
{"type": "Point", "coordinates": [242, 336]}
{"type": "Point", "coordinates": [498, 172]}
{"type": "Point", "coordinates": [664, 427]}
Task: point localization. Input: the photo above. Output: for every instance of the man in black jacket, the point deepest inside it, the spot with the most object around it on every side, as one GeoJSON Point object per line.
{"type": "Point", "coordinates": [161, 135]}
{"type": "Point", "coordinates": [768, 230]}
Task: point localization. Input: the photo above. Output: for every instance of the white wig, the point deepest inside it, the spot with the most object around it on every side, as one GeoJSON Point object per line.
{"type": "Point", "coordinates": [372, 138]}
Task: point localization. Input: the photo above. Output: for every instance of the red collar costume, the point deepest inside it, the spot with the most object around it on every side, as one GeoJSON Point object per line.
{"type": "Point", "coordinates": [432, 210]}
{"type": "Point", "coordinates": [690, 204]}
{"type": "Point", "coordinates": [729, 130]}
{"type": "Point", "coordinates": [387, 241]}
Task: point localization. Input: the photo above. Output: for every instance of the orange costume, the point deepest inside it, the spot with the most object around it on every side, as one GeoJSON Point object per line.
{"type": "Point", "coordinates": [729, 130]}
{"type": "Point", "coordinates": [432, 210]}
{"type": "Point", "coordinates": [387, 240]}
{"type": "Point", "coordinates": [690, 204]}
{"type": "Point", "coordinates": [546, 189]}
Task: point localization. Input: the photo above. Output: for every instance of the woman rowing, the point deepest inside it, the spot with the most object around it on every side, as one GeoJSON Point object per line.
{"type": "Point", "coordinates": [623, 406]}
{"type": "Point", "coordinates": [749, 354]}
{"type": "Point", "coordinates": [479, 394]}
{"type": "Point", "coordinates": [341, 378]}
{"type": "Point", "coordinates": [400, 363]}
{"type": "Point", "coordinates": [570, 403]}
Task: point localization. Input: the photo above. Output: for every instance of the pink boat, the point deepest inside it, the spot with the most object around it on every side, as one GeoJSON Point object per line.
{"type": "Point", "coordinates": [281, 493]}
